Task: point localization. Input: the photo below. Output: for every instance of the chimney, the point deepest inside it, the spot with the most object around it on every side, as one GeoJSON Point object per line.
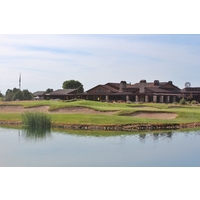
{"type": "Point", "coordinates": [122, 86]}
{"type": "Point", "coordinates": [170, 82]}
{"type": "Point", "coordinates": [142, 86]}
{"type": "Point", "coordinates": [156, 82]}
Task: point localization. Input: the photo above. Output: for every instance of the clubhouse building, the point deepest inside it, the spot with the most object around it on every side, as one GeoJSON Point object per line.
{"type": "Point", "coordinates": [139, 92]}
{"type": "Point", "coordinates": [143, 91]}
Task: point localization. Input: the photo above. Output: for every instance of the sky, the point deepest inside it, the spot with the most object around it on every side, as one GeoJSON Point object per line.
{"type": "Point", "coordinates": [47, 60]}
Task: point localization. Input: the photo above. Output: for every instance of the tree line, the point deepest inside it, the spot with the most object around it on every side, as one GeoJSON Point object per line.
{"type": "Point", "coordinates": [17, 94]}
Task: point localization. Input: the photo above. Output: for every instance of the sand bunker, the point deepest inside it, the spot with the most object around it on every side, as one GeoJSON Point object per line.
{"type": "Point", "coordinates": [21, 109]}
{"type": "Point", "coordinates": [69, 110]}
{"type": "Point", "coordinates": [83, 110]}
{"type": "Point", "coordinates": [153, 115]}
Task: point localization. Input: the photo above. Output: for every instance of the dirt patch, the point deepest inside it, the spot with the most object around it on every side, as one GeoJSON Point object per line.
{"type": "Point", "coordinates": [153, 115]}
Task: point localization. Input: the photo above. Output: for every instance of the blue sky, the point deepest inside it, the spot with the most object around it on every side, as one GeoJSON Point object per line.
{"type": "Point", "coordinates": [47, 60]}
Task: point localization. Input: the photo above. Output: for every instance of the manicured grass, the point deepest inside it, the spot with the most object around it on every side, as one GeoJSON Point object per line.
{"type": "Point", "coordinates": [11, 117]}
{"type": "Point", "coordinates": [186, 114]}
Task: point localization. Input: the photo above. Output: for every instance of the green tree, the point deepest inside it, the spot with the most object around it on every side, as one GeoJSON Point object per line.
{"type": "Point", "coordinates": [72, 84]}
{"type": "Point", "coordinates": [9, 95]}
{"type": "Point", "coordinates": [18, 95]}
{"type": "Point", "coordinates": [15, 90]}
{"type": "Point", "coordinates": [12, 95]}
{"type": "Point", "coordinates": [27, 95]}
{"type": "Point", "coordinates": [8, 91]}
{"type": "Point", "coordinates": [49, 90]}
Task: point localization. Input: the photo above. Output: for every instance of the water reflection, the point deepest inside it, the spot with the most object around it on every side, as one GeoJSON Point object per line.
{"type": "Point", "coordinates": [40, 134]}
{"type": "Point", "coordinates": [36, 133]}
{"type": "Point", "coordinates": [28, 147]}
{"type": "Point", "coordinates": [93, 133]}
{"type": "Point", "coordinates": [142, 137]}
{"type": "Point", "coordinates": [156, 136]}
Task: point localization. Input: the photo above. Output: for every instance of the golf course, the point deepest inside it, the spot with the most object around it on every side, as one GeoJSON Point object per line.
{"type": "Point", "coordinates": [93, 113]}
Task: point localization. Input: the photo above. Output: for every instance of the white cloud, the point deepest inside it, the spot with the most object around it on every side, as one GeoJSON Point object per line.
{"type": "Point", "coordinates": [48, 60]}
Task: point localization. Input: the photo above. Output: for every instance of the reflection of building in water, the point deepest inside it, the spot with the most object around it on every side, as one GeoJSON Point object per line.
{"type": "Point", "coordinates": [169, 134]}
{"type": "Point", "coordinates": [142, 136]}
{"type": "Point", "coordinates": [155, 136]}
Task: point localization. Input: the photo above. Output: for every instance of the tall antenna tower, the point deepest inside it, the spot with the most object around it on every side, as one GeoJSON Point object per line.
{"type": "Point", "coordinates": [20, 81]}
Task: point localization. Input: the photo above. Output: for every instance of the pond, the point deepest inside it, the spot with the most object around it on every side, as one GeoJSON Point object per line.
{"type": "Point", "coordinates": [99, 149]}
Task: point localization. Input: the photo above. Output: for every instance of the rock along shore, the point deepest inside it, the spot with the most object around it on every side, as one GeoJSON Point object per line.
{"type": "Point", "coordinates": [121, 127]}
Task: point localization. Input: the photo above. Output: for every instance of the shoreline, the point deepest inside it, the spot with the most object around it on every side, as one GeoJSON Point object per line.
{"type": "Point", "coordinates": [119, 127]}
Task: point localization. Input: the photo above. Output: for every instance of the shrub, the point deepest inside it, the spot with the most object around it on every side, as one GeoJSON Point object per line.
{"type": "Point", "coordinates": [194, 102]}
{"type": "Point", "coordinates": [36, 120]}
{"type": "Point", "coordinates": [183, 101]}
